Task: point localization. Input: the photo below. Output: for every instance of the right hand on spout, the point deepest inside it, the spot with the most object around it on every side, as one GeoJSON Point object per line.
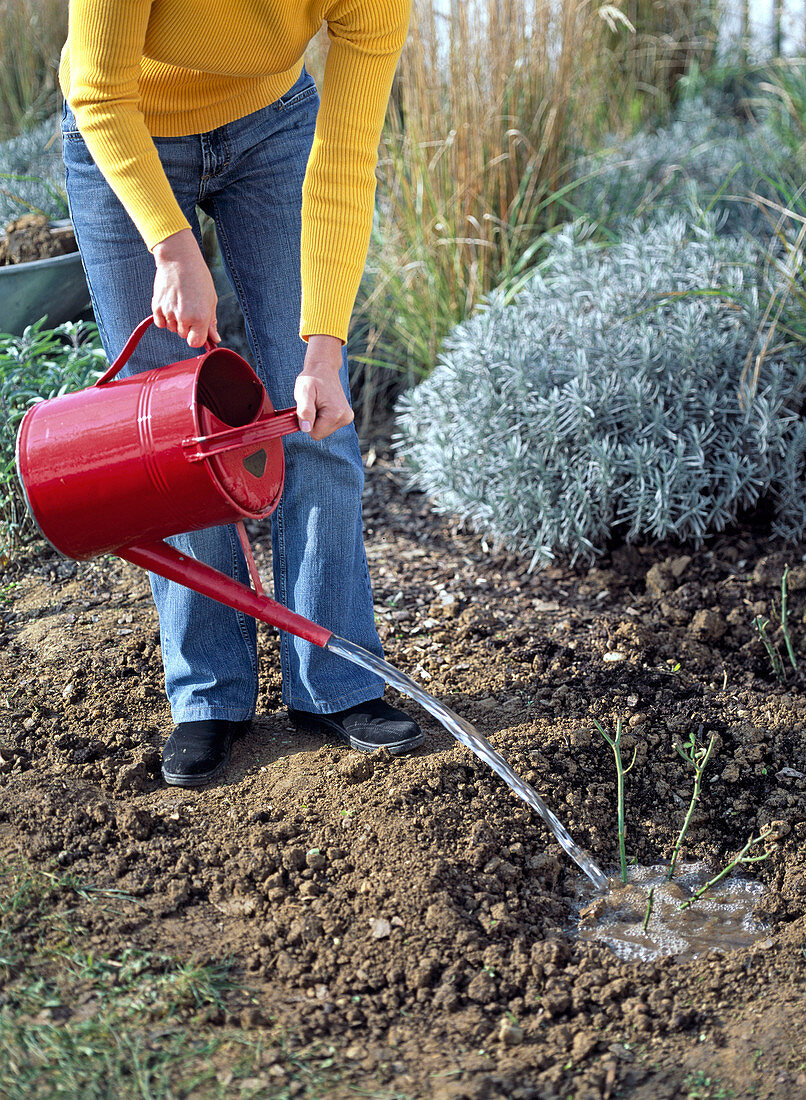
{"type": "Point", "coordinates": [184, 299]}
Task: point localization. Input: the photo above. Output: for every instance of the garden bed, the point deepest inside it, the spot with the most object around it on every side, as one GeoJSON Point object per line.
{"type": "Point", "coordinates": [410, 916]}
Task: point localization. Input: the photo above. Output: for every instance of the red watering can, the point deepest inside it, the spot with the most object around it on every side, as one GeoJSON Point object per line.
{"type": "Point", "coordinates": [122, 465]}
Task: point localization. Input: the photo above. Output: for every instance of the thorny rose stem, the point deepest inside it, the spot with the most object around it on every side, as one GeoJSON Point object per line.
{"type": "Point", "coordinates": [621, 771]}
{"type": "Point", "coordinates": [741, 858]}
{"type": "Point", "coordinates": [698, 756]}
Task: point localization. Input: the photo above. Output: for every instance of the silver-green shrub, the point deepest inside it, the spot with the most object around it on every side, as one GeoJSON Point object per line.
{"type": "Point", "coordinates": [32, 174]}
{"type": "Point", "coordinates": [607, 400]}
{"type": "Point", "coordinates": [702, 160]}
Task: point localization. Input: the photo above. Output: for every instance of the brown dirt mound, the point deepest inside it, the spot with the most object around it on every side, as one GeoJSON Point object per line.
{"type": "Point", "coordinates": [413, 911]}
{"type": "Point", "coordinates": [32, 237]}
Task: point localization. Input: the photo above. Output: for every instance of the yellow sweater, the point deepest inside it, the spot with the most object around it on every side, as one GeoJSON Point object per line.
{"type": "Point", "coordinates": [135, 68]}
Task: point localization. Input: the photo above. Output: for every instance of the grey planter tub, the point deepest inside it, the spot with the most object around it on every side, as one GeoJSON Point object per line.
{"type": "Point", "coordinates": [54, 287]}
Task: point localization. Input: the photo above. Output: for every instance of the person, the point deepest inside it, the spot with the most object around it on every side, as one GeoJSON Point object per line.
{"type": "Point", "coordinates": [170, 105]}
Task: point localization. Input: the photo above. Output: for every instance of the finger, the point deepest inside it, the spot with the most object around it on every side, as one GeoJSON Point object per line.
{"type": "Point", "coordinates": [328, 422]}
{"type": "Point", "coordinates": [305, 397]}
{"type": "Point", "coordinates": [196, 335]}
{"type": "Point", "coordinates": [192, 330]}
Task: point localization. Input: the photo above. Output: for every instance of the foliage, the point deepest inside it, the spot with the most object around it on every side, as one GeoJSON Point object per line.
{"type": "Point", "coordinates": [668, 41]}
{"type": "Point", "coordinates": [32, 175]}
{"type": "Point", "coordinates": [609, 401]}
{"type": "Point", "coordinates": [740, 859]}
{"type": "Point", "coordinates": [491, 110]}
{"type": "Point", "coordinates": [703, 160]}
{"type": "Point", "coordinates": [782, 200]}
{"type": "Point", "coordinates": [782, 100]}
{"type": "Point", "coordinates": [40, 364]}
{"type": "Point", "coordinates": [31, 37]}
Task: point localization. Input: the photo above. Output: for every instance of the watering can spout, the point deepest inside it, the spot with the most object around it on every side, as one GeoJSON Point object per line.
{"type": "Point", "coordinates": [159, 557]}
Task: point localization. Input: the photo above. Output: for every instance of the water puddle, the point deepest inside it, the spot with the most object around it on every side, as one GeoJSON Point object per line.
{"type": "Point", "coordinates": [721, 920]}
{"type": "Point", "coordinates": [469, 736]}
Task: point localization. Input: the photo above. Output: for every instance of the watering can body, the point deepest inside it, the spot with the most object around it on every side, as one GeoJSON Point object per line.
{"type": "Point", "coordinates": [127, 461]}
{"type": "Point", "coordinates": [124, 464]}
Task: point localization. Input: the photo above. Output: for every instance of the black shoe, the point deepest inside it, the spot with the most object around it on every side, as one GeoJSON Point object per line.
{"type": "Point", "coordinates": [366, 727]}
{"type": "Point", "coordinates": [197, 752]}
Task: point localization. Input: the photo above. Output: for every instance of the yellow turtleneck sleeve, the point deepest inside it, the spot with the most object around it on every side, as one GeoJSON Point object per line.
{"type": "Point", "coordinates": [164, 68]}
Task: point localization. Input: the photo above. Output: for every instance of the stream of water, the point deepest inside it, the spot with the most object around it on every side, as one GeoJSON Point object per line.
{"type": "Point", "coordinates": [469, 736]}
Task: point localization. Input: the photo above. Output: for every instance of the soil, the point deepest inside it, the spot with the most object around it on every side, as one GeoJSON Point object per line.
{"type": "Point", "coordinates": [32, 237]}
{"type": "Point", "coordinates": [412, 912]}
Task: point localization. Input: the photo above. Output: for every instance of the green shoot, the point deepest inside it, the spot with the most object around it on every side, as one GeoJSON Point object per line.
{"type": "Point", "coordinates": [742, 858]}
{"type": "Point", "coordinates": [621, 771]}
{"type": "Point", "coordinates": [772, 649]}
{"type": "Point", "coordinates": [697, 756]}
{"type": "Point", "coordinates": [784, 620]}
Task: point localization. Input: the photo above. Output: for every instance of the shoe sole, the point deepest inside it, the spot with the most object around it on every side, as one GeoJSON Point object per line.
{"type": "Point", "coordinates": [397, 748]}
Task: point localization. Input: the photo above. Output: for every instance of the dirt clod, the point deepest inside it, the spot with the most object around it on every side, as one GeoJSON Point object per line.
{"type": "Point", "coordinates": [31, 237]}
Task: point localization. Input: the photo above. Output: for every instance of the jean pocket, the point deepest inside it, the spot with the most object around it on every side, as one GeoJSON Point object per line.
{"type": "Point", "coordinates": [304, 89]}
{"type": "Point", "coordinates": [68, 125]}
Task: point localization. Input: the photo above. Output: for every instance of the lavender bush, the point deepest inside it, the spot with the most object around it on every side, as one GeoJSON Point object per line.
{"type": "Point", "coordinates": [32, 174]}
{"type": "Point", "coordinates": [701, 161]}
{"type": "Point", "coordinates": [608, 399]}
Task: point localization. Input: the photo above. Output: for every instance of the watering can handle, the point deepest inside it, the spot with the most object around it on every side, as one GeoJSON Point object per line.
{"type": "Point", "coordinates": [280, 422]}
{"type": "Point", "coordinates": [129, 347]}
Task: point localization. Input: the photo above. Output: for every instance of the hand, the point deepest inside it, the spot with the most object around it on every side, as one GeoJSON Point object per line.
{"type": "Point", "coordinates": [322, 405]}
{"type": "Point", "coordinates": [184, 299]}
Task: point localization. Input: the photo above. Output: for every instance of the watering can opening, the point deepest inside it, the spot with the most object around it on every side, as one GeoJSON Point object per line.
{"type": "Point", "coordinates": [227, 386]}
{"type": "Point", "coordinates": [229, 396]}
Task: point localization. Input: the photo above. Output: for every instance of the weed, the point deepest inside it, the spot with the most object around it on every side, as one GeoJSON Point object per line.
{"type": "Point", "coordinates": [701, 1086]}
{"type": "Point", "coordinates": [7, 591]}
{"type": "Point", "coordinates": [31, 37]}
{"type": "Point", "coordinates": [773, 652]}
{"type": "Point", "coordinates": [621, 771]}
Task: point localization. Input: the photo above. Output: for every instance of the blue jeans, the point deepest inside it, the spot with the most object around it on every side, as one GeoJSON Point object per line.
{"type": "Point", "coordinates": [248, 177]}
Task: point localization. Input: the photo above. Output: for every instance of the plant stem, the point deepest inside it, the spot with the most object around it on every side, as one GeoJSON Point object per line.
{"type": "Point", "coordinates": [784, 624]}
{"type": "Point", "coordinates": [741, 858]}
{"type": "Point", "coordinates": [698, 757]}
{"type": "Point", "coordinates": [648, 913]}
{"type": "Point", "coordinates": [772, 650]}
{"type": "Point", "coordinates": [621, 771]}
